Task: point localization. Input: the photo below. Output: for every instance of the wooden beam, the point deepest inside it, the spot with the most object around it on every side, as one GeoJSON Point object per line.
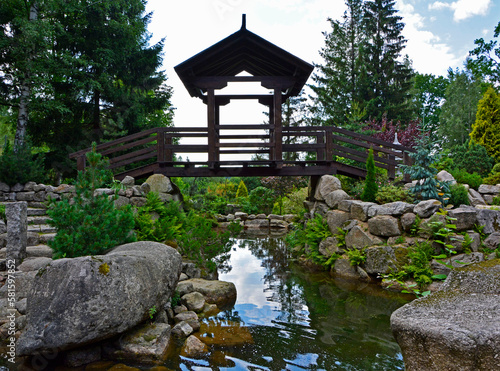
{"type": "Point", "coordinates": [278, 139]}
{"type": "Point", "coordinates": [212, 155]}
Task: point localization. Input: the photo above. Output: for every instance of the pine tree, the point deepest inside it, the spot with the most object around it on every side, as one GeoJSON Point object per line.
{"type": "Point", "coordinates": [242, 191]}
{"type": "Point", "coordinates": [371, 188]}
{"type": "Point", "coordinates": [486, 128]}
{"type": "Point", "coordinates": [387, 81]}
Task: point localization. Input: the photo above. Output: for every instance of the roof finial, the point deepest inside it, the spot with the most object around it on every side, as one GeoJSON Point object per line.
{"type": "Point", "coordinates": [243, 21]}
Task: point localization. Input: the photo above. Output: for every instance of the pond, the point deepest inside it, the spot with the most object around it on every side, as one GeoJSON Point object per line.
{"type": "Point", "coordinates": [287, 318]}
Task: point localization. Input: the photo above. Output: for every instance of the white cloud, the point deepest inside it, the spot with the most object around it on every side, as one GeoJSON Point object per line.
{"type": "Point", "coordinates": [463, 9]}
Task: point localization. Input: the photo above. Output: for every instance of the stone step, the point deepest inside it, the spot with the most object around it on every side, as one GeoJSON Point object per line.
{"type": "Point", "coordinates": [37, 220]}
{"type": "Point", "coordinates": [41, 228]}
{"type": "Point", "coordinates": [39, 251]}
{"type": "Point", "coordinates": [36, 211]}
{"type": "Point", "coordinates": [46, 237]}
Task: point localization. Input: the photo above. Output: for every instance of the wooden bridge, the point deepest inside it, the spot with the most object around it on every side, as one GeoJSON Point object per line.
{"type": "Point", "coordinates": [155, 151]}
{"type": "Point", "coordinates": [239, 58]}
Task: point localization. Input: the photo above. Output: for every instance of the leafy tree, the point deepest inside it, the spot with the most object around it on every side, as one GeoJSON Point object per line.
{"type": "Point", "coordinates": [386, 80]}
{"type": "Point", "coordinates": [370, 189]}
{"type": "Point", "coordinates": [484, 61]}
{"type": "Point", "coordinates": [459, 109]}
{"type": "Point", "coordinates": [486, 128]}
{"type": "Point", "coordinates": [89, 223]}
{"type": "Point", "coordinates": [386, 130]}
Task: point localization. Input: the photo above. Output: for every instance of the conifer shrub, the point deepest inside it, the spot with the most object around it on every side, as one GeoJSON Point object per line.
{"type": "Point", "coordinates": [371, 188]}
{"type": "Point", "coordinates": [458, 195]}
{"type": "Point", "coordinates": [89, 223]}
{"type": "Point", "coordinates": [21, 166]}
{"type": "Point", "coordinates": [463, 177]}
{"type": "Point", "coordinates": [392, 193]}
{"type": "Point", "coordinates": [242, 191]}
{"type": "Point", "coordinates": [472, 158]}
{"type": "Point", "coordinates": [486, 128]}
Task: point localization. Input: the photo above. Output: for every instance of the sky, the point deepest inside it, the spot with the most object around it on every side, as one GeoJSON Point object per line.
{"type": "Point", "coordinates": [440, 34]}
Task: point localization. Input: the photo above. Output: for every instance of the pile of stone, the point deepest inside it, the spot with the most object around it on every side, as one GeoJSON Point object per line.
{"type": "Point", "coordinates": [383, 230]}
{"type": "Point", "coordinates": [258, 221]}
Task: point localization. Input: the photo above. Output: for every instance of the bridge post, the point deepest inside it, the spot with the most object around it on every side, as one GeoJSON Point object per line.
{"type": "Point", "coordinates": [278, 133]}
{"type": "Point", "coordinates": [329, 144]}
{"type": "Point", "coordinates": [81, 162]}
{"type": "Point", "coordinates": [212, 156]}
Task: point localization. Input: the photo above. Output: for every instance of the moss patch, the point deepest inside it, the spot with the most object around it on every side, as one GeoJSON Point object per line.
{"type": "Point", "coordinates": [104, 269]}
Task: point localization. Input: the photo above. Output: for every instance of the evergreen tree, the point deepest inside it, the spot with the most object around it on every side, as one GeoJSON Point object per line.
{"type": "Point", "coordinates": [242, 191]}
{"type": "Point", "coordinates": [486, 128]}
{"type": "Point", "coordinates": [371, 188]}
{"type": "Point", "coordinates": [336, 86]}
{"type": "Point", "coordinates": [459, 110]}
{"type": "Point", "coordinates": [386, 81]}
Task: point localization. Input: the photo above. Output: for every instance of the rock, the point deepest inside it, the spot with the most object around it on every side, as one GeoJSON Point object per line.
{"type": "Point", "coordinates": [145, 344]}
{"type": "Point", "coordinates": [4, 187]}
{"type": "Point", "coordinates": [332, 199]}
{"type": "Point", "coordinates": [191, 270]}
{"type": "Point", "coordinates": [380, 260]}
{"type": "Point", "coordinates": [492, 241]}
{"type": "Point", "coordinates": [209, 310]}
{"type": "Point", "coordinates": [138, 201]}
{"type": "Point", "coordinates": [183, 277]}
{"type": "Point", "coordinates": [456, 328]}
{"type": "Point", "coordinates": [475, 198]}
{"type": "Point", "coordinates": [21, 306]}
{"type": "Point", "coordinates": [24, 283]}
{"type": "Point", "coordinates": [289, 218]}
{"type": "Point", "coordinates": [182, 330]}
{"type": "Point", "coordinates": [274, 216]}
{"type": "Point", "coordinates": [439, 267]}
{"type": "Point", "coordinates": [397, 208]}
{"type": "Point", "coordinates": [345, 205]}
{"type": "Point", "coordinates": [407, 220]}
{"type": "Point", "coordinates": [243, 216]}
{"type": "Point", "coordinates": [335, 219]}
{"type": "Point", "coordinates": [275, 223]}
{"type": "Point", "coordinates": [160, 184]}
{"type": "Point", "coordinates": [39, 251]}
{"type": "Point", "coordinates": [34, 264]}
{"type": "Point", "coordinates": [121, 201]}
{"type": "Point", "coordinates": [257, 223]}
{"type": "Point", "coordinates": [95, 298]}
{"type": "Point", "coordinates": [359, 210]}
{"type": "Point", "coordinates": [476, 240]}
{"type": "Point", "coordinates": [491, 189]}
{"type": "Point", "coordinates": [128, 181]}
{"type": "Point", "coordinates": [465, 218]}
{"type": "Point", "coordinates": [320, 208]}
{"type": "Point", "coordinates": [215, 292]}
{"type": "Point", "coordinates": [344, 269]}
{"type": "Point", "coordinates": [193, 347]}
{"type": "Point", "coordinates": [490, 219]}
{"type": "Point", "coordinates": [425, 209]}
{"type": "Point", "coordinates": [190, 317]}
{"type": "Point", "coordinates": [180, 309]}
{"type": "Point", "coordinates": [444, 176]}
{"type": "Point", "coordinates": [194, 301]}
{"type": "Point", "coordinates": [384, 225]}
{"type": "Point", "coordinates": [326, 185]}
{"type": "Point", "coordinates": [17, 229]}
{"type": "Point", "coordinates": [462, 260]}
{"type": "Point", "coordinates": [328, 246]}
{"type": "Point", "coordinates": [360, 238]}
{"type": "Point", "coordinates": [83, 356]}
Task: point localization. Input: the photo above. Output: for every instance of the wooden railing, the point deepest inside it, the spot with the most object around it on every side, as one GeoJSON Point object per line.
{"type": "Point", "coordinates": [145, 152]}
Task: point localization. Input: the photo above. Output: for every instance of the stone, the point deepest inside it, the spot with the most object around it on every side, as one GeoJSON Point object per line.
{"type": "Point", "coordinates": [407, 220]}
{"type": "Point", "coordinates": [491, 189]}
{"type": "Point", "coordinates": [159, 183]}
{"type": "Point", "coordinates": [396, 208]}
{"type": "Point", "coordinates": [194, 301]}
{"type": "Point", "coordinates": [326, 185]}
{"type": "Point", "coordinates": [193, 347]}
{"type": "Point", "coordinates": [345, 205]}
{"type": "Point", "coordinates": [39, 251]}
{"type": "Point", "coordinates": [332, 199]}
{"type": "Point", "coordinates": [190, 317]}
{"type": "Point", "coordinates": [3, 227]}
{"type": "Point", "coordinates": [492, 241]}
{"type": "Point", "coordinates": [440, 267]}
{"type": "Point", "coordinates": [138, 201]}
{"type": "Point", "coordinates": [275, 217]}
{"type": "Point", "coordinates": [276, 223]}
{"type": "Point", "coordinates": [17, 229]}
{"type": "Point", "coordinates": [466, 218]}
{"type": "Point", "coordinates": [121, 201]}
{"type": "Point", "coordinates": [25, 196]}
{"type": "Point", "coordinates": [456, 328]}
{"type": "Point", "coordinates": [384, 225]}
{"type": "Point", "coordinates": [90, 297]}
{"type": "Point", "coordinates": [17, 187]}
{"type": "Point", "coordinates": [4, 187]}
{"type": "Point", "coordinates": [476, 240]}
{"type": "Point", "coordinates": [257, 223]}
{"type": "Point", "coordinates": [289, 218]}
{"type": "Point", "coordinates": [182, 330]}
{"type": "Point", "coordinates": [21, 306]}
{"type": "Point", "coordinates": [226, 333]}
{"type": "Point", "coordinates": [425, 209]}
{"type": "Point", "coordinates": [360, 238]}
{"type": "Point", "coordinates": [444, 176]}
{"type": "Point", "coordinates": [490, 219]}
{"type": "Point", "coordinates": [215, 292]}
{"type": "Point", "coordinates": [145, 344]}
{"type": "Point", "coordinates": [328, 246]}
{"type": "Point", "coordinates": [335, 219]}
{"type": "Point", "coordinates": [191, 270]}
{"type": "Point", "coordinates": [344, 269]}
{"type": "Point", "coordinates": [183, 277]}
{"type": "Point", "coordinates": [475, 198]}
{"type": "Point", "coordinates": [145, 188]}
{"type": "Point", "coordinates": [320, 208]}
{"type": "Point", "coordinates": [210, 310]}
{"type": "Point", "coordinates": [380, 260]}
{"type": "Point", "coordinates": [83, 356]}
{"type": "Point", "coordinates": [24, 283]}
{"type": "Point", "coordinates": [34, 264]}
{"type": "Point", "coordinates": [128, 181]}
{"type": "Point", "coordinates": [359, 210]}
{"type": "Point", "coordinates": [239, 214]}
{"type": "Point", "coordinates": [180, 309]}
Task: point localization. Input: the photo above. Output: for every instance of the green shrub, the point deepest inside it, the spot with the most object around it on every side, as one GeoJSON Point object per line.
{"type": "Point", "coordinates": [21, 166]}
{"type": "Point", "coordinates": [496, 201]}
{"type": "Point", "coordinates": [242, 191]}
{"type": "Point", "coordinates": [89, 223]}
{"type": "Point", "coordinates": [472, 158]}
{"type": "Point", "coordinates": [418, 266]}
{"type": "Point", "coordinates": [371, 187]}
{"type": "Point", "coordinates": [459, 195]}
{"type": "Point", "coordinates": [260, 200]}
{"type": "Point", "coordinates": [157, 221]}
{"type": "Point", "coordinates": [294, 203]}
{"type": "Point", "coordinates": [493, 179]}
{"type": "Point", "coordinates": [496, 169]}
{"type": "Point", "coordinates": [391, 193]}
{"type": "Point", "coordinates": [463, 177]}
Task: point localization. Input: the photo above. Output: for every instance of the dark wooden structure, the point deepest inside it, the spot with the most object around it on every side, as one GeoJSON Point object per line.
{"type": "Point", "coordinates": [154, 150]}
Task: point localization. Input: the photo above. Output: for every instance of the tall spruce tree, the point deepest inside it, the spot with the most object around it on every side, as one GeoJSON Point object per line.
{"type": "Point", "coordinates": [388, 79]}
{"type": "Point", "coordinates": [336, 84]}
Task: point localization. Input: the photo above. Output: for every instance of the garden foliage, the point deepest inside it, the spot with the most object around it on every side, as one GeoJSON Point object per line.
{"type": "Point", "coordinates": [370, 189]}
{"type": "Point", "coordinates": [472, 158]}
{"type": "Point", "coordinates": [21, 166]}
{"type": "Point", "coordinates": [486, 128]}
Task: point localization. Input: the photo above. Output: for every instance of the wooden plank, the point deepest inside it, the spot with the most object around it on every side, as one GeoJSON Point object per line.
{"type": "Point", "coordinates": [364, 145]}
{"type": "Point", "coordinates": [245, 127]}
{"type": "Point", "coordinates": [363, 155]}
{"type": "Point", "coordinates": [278, 130]}
{"type": "Point", "coordinates": [132, 160]}
{"type": "Point", "coordinates": [128, 146]}
{"type": "Point", "coordinates": [247, 151]}
{"type": "Point", "coordinates": [356, 158]}
{"type": "Point", "coordinates": [188, 148]}
{"type": "Point", "coordinates": [132, 154]}
{"type": "Point", "coordinates": [370, 139]}
{"type": "Point", "coordinates": [242, 144]}
{"type": "Point", "coordinates": [237, 136]}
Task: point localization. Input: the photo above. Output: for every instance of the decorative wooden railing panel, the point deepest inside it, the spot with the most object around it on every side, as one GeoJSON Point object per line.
{"type": "Point", "coordinates": [156, 151]}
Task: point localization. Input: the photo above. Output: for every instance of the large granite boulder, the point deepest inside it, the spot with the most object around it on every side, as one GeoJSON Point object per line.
{"type": "Point", "coordinates": [75, 302]}
{"type": "Point", "coordinates": [333, 198]}
{"type": "Point", "coordinates": [465, 217]}
{"type": "Point", "coordinates": [384, 225]}
{"type": "Point", "coordinates": [326, 185]}
{"type": "Point", "coordinates": [380, 260]}
{"type": "Point", "coordinates": [490, 219]}
{"type": "Point", "coordinates": [359, 238]}
{"type": "Point", "coordinates": [396, 208]}
{"type": "Point", "coordinates": [425, 209]}
{"type": "Point", "coordinates": [456, 328]}
{"type": "Point", "coordinates": [221, 293]}
{"type": "Point", "coordinates": [335, 219]}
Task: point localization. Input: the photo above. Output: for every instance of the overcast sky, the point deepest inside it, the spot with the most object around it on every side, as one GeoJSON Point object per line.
{"type": "Point", "coordinates": [440, 33]}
